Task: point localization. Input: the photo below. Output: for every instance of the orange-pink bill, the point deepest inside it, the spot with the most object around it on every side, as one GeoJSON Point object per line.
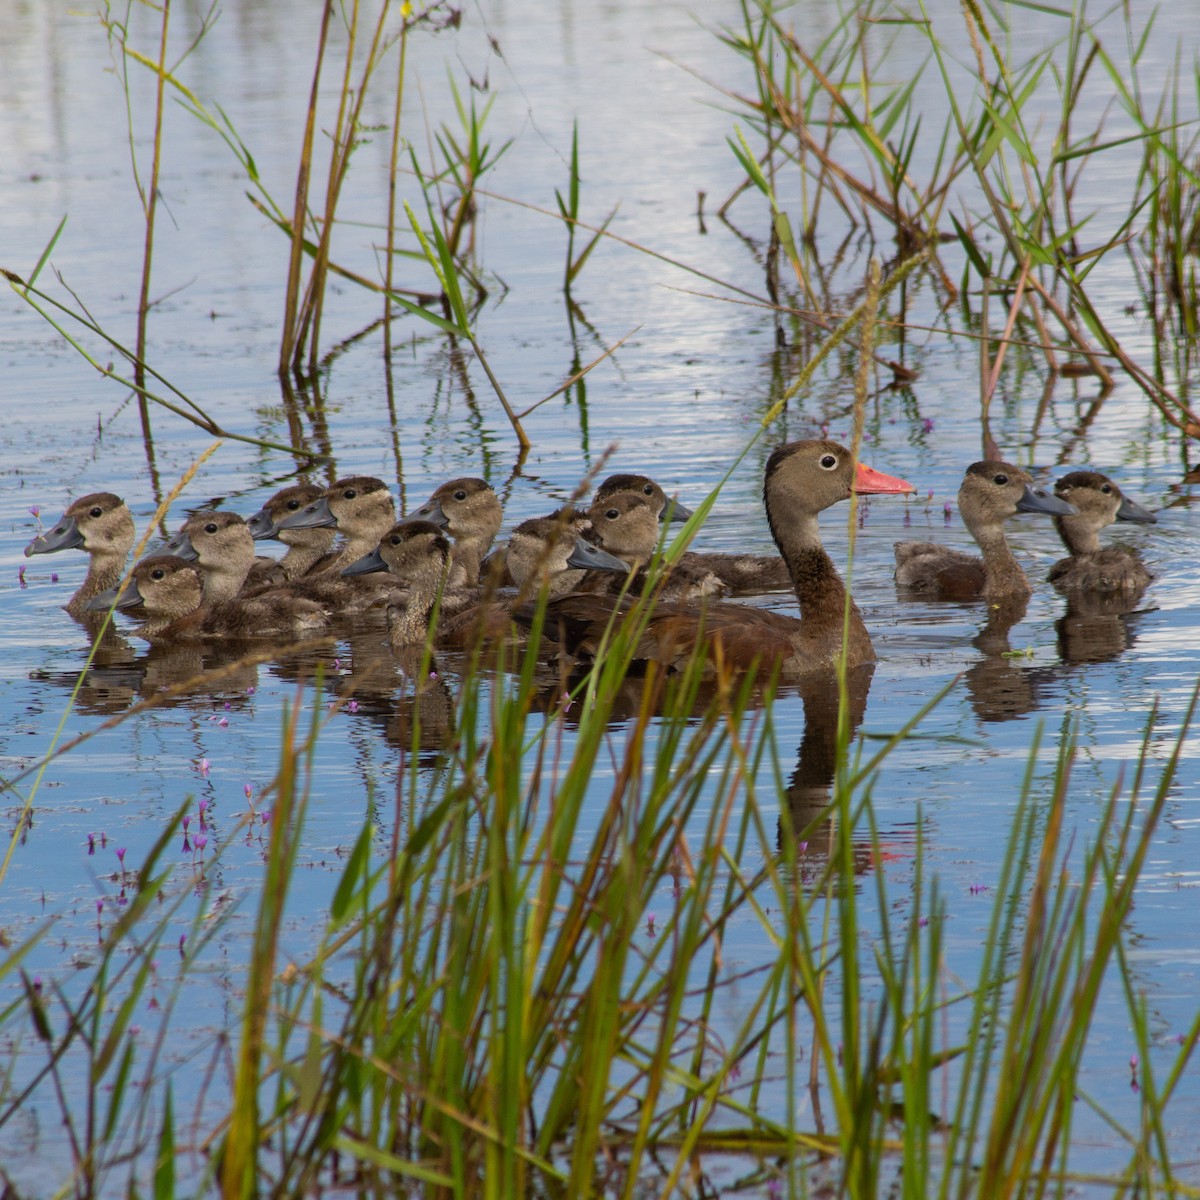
{"type": "Point", "coordinates": [868, 481]}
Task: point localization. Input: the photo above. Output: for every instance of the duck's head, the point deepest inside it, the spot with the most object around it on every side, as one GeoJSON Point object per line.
{"type": "Point", "coordinates": [625, 524]}
{"type": "Point", "coordinates": [644, 486]}
{"type": "Point", "coordinates": [992, 491]}
{"type": "Point", "coordinates": [1099, 501]}
{"type": "Point", "coordinates": [351, 504]}
{"type": "Point", "coordinates": [287, 501]}
{"type": "Point", "coordinates": [162, 586]}
{"type": "Point", "coordinates": [467, 509]}
{"type": "Point", "coordinates": [546, 552]}
{"type": "Point", "coordinates": [98, 523]}
{"type": "Point", "coordinates": [414, 551]}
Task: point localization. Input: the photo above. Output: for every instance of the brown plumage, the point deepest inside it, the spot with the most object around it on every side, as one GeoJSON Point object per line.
{"type": "Point", "coordinates": [166, 594]}
{"type": "Point", "coordinates": [802, 479]}
{"type": "Point", "coordinates": [470, 512]}
{"type": "Point", "coordinates": [362, 510]}
{"type": "Point", "coordinates": [418, 555]}
{"type": "Point", "coordinates": [222, 547]}
{"type": "Point", "coordinates": [626, 525]}
{"type": "Point", "coordinates": [1092, 567]}
{"type": "Point", "coordinates": [305, 547]}
{"type": "Point", "coordinates": [100, 524]}
{"type": "Point", "coordinates": [991, 492]}
{"type": "Point", "coordinates": [543, 555]}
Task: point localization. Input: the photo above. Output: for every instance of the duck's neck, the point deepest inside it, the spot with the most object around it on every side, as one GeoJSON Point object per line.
{"type": "Point", "coordinates": [1079, 536]}
{"type": "Point", "coordinates": [467, 555]}
{"type": "Point", "coordinates": [303, 553]}
{"type": "Point", "coordinates": [106, 565]}
{"type": "Point", "coordinates": [408, 624]}
{"type": "Point", "coordinates": [820, 592]}
{"type": "Point", "coordinates": [1003, 577]}
{"type": "Point", "coordinates": [224, 581]}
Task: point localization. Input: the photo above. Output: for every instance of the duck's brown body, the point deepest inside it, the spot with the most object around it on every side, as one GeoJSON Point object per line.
{"type": "Point", "coordinates": [100, 524]}
{"type": "Point", "coordinates": [991, 492]}
{"type": "Point", "coordinates": [166, 593]}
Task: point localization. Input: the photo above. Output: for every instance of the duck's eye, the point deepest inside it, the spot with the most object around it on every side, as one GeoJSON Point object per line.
{"type": "Point", "coordinates": [612, 514]}
{"type": "Point", "coordinates": [292, 505]}
{"type": "Point", "coordinates": [828, 462]}
{"type": "Point", "coordinates": [157, 573]}
{"type": "Point", "coordinates": [96, 512]}
{"type": "Point", "coordinates": [648, 490]}
{"type": "Point", "coordinates": [211, 527]}
{"type": "Point", "coordinates": [1106, 488]}
{"type": "Point", "coordinates": [1000, 480]}
{"type": "Point", "coordinates": [460, 494]}
{"type": "Point", "coordinates": [349, 494]}
{"type": "Point", "coordinates": [397, 539]}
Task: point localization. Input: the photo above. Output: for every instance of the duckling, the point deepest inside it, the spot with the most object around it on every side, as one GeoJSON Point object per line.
{"type": "Point", "coordinates": [626, 525]}
{"type": "Point", "coordinates": [420, 554]}
{"type": "Point", "coordinates": [470, 512]}
{"type": "Point", "coordinates": [101, 524]}
{"type": "Point", "coordinates": [542, 555]}
{"type": "Point", "coordinates": [167, 593]}
{"type": "Point", "coordinates": [713, 573]}
{"type": "Point", "coordinates": [991, 492]}
{"type": "Point", "coordinates": [802, 479]}
{"type": "Point", "coordinates": [362, 509]}
{"type": "Point", "coordinates": [1093, 568]}
{"type": "Point", "coordinates": [644, 486]}
{"type": "Point", "coordinates": [305, 547]}
{"type": "Point", "coordinates": [222, 547]}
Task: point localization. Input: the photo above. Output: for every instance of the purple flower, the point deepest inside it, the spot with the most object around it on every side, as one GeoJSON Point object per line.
{"type": "Point", "coordinates": [927, 425]}
{"type": "Point", "coordinates": [91, 843]}
{"type": "Point", "coordinates": [121, 856]}
{"type": "Point", "coordinates": [248, 790]}
{"type": "Point", "coordinates": [201, 841]}
{"type": "Point", "coordinates": [21, 577]}
{"type": "Point", "coordinates": [187, 820]}
{"type": "Point", "coordinates": [53, 576]}
{"type": "Point", "coordinates": [352, 706]}
{"type": "Point", "coordinates": [99, 906]}
{"type": "Point", "coordinates": [251, 690]}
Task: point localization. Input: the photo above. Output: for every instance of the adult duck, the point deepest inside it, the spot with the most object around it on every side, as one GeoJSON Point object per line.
{"type": "Point", "coordinates": [166, 595]}
{"type": "Point", "coordinates": [990, 494]}
{"type": "Point", "coordinates": [802, 479]}
{"type": "Point", "coordinates": [1091, 567]}
{"type": "Point", "coordinates": [100, 524]}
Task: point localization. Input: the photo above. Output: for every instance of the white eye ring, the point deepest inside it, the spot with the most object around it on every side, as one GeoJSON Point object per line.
{"type": "Point", "coordinates": [828, 462]}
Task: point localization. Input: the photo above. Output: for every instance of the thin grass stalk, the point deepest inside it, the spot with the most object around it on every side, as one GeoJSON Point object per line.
{"type": "Point", "coordinates": [289, 343]}
{"type": "Point", "coordinates": [242, 1142]}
